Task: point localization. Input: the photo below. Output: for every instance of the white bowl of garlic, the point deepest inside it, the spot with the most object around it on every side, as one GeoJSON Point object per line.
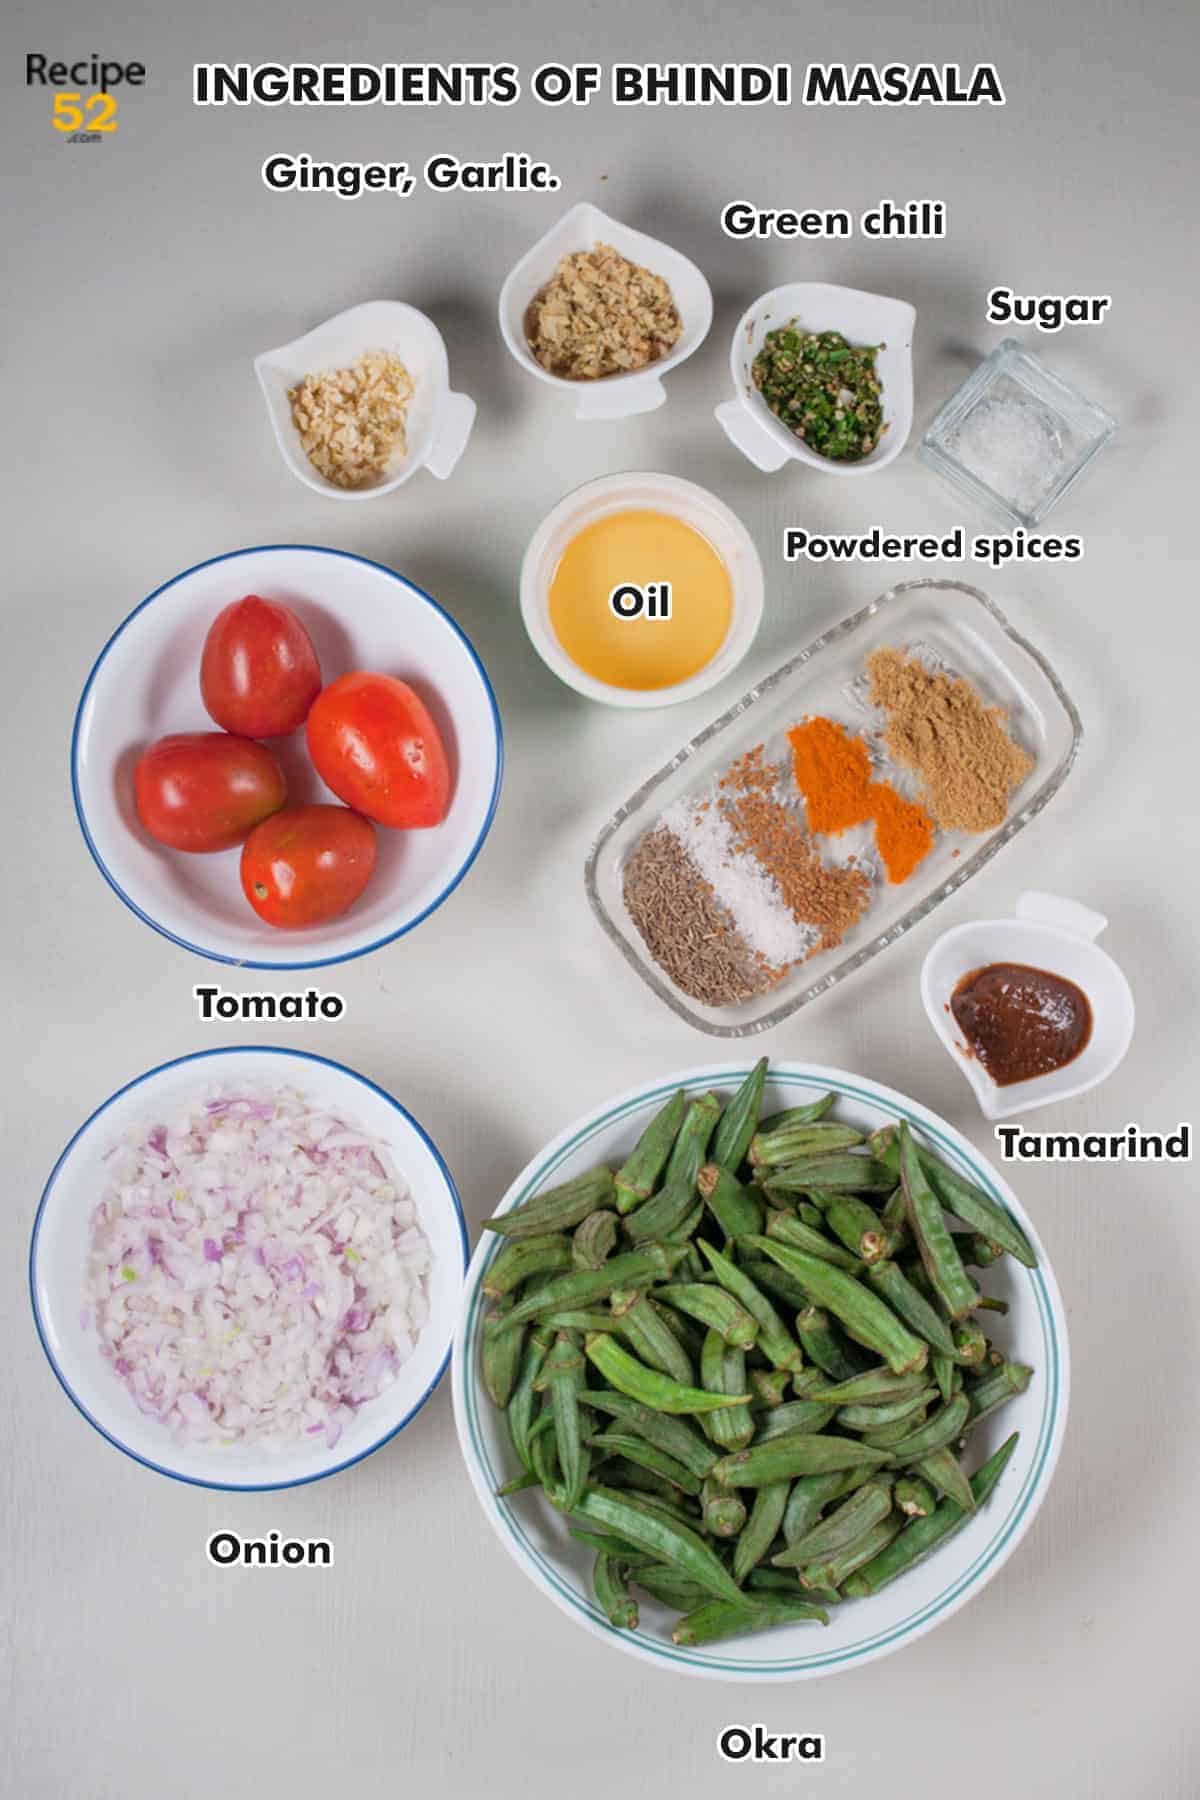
{"type": "Point", "coordinates": [362, 402]}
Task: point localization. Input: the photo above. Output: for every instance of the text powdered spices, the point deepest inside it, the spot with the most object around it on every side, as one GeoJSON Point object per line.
{"type": "Point", "coordinates": [687, 932]}
{"type": "Point", "coordinates": [939, 727]}
{"type": "Point", "coordinates": [352, 421]}
{"type": "Point", "coordinates": [600, 314]}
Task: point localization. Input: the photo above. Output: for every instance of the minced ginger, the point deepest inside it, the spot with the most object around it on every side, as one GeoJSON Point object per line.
{"type": "Point", "coordinates": [600, 314]}
{"type": "Point", "coordinates": [352, 421]}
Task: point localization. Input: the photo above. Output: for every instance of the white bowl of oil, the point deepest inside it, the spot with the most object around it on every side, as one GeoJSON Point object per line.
{"type": "Point", "coordinates": [592, 594]}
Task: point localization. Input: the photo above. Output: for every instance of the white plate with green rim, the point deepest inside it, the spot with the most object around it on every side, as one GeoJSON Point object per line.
{"type": "Point", "coordinates": [1034, 1332]}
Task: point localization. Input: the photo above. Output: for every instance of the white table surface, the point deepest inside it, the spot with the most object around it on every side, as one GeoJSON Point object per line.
{"type": "Point", "coordinates": [142, 276]}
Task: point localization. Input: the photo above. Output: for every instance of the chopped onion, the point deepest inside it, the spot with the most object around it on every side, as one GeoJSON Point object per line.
{"type": "Point", "coordinates": [256, 1270]}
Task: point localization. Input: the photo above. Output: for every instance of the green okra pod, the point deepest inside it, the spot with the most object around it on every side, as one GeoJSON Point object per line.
{"type": "Point", "coordinates": [737, 1210]}
{"type": "Point", "coordinates": [666, 1431]}
{"type": "Point", "coordinates": [876, 1387]}
{"type": "Point", "coordinates": [635, 1179]}
{"type": "Point", "coordinates": [803, 1415]}
{"type": "Point", "coordinates": [708, 1623]}
{"type": "Point", "coordinates": [886, 1437]}
{"type": "Point", "coordinates": [774, 1339]}
{"type": "Point", "coordinates": [653, 1531]}
{"type": "Point", "coordinates": [611, 1584]}
{"type": "Point", "coordinates": [908, 1303]}
{"type": "Point", "coordinates": [724, 1514]}
{"type": "Point", "coordinates": [834, 1570]}
{"type": "Point", "coordinates": [894, 1219]}
{"type": "Point", "coordinates": [637, 1450]}
{"type": "Point", "coordinates": [858, 1226]}
{"type": "Point", "coordinates": [798, 1115]}
{"type": "Point", "coordinates": [604, 1542]}
{"type": "Point", "coordinates": [500, 1356]}
{"type": "Point", "coordinates": [594, 1240]}
{"type": "Point", "coordinates": [777, 1149]}
{"type": "Point", "coordinates": [999, 1385]}
{"type": "Point", "coordinates": [810, 1215]}
{"type": "Point", "coordinates": [927, 1222]}
{"type": "Point", "coordinates": [914, 1497]}
{"type": "Point", "coordinates": [943, 1471]}
{"type": "Point", "coordinates": [768, 1387]}
{"type": "Point", "coordinates": [976, 1250]}
{"type": "Point", "coordinates": [769, 1280]}
{"type": "Point", "coordinates": [844, 1526]}
{"type": "Point", "coordinates": [517, 1261]}
{"type": "Point", "coordinates": [947, 1424]}
{"type": "Point", "coordinates": [944, 1370]}
{"type": "Point", "coordinates": [961, 1197]}
{"type": "Point", "coordinates": [636, 1269]}
{"type": "Point", "coordinates": [761, 1528]}
{"type": "Point", "coordinates": [922, 1536]}
{"type": "Point", "coordinates": [673, 1205]}
{"type": "Point", "coordinates": [580, 1318]}
{"type": "Point", "coordinates": [739, 1121]}
{"type": "Point", "coordinates": [811, 1494]}
{"type": "Point", "coordinates": [517, 1485]}
{"type": "Point", "coordinates": [522, 1409]}
{"type": "Point", "coordinates": [783, 1458]}
{"type": "Point", "coordinates": [787, 1229]}
{"type": "Point", "coordinates": [834, 1354]}
{"type": "Point", "coordinates": [650, 1337]}
{"type": "Point", "coordinates": [636, 1481]}
{"type": "Point", "coordinates": [723, 1371]}
{"type": "Point", "coordinates": [670, 1588]}
{"type": "Point", "coordinates": [714, 1308]}
{"type": "Point", "coordinates": [971, 1346]}
{"type": "Point", "coordinates": [891, 1412]}
{"type": "Point", "coordinates": [844, 1173]}
{"type": "Point", "coordinates": [562, 1376]}
{"type": "Point", "coordinates": [557, 1209]}
{"type": "Point", "coordinates": [648, 1386]}
{"type": "Point", "coordinates": [860, 1312]}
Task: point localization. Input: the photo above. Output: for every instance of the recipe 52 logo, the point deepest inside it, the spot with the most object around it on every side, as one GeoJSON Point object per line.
{"type": "Point", "coordinates": [82, 117]}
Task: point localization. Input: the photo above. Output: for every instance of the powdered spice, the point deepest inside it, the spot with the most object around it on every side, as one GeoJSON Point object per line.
{"type": "Point", "coordinates": [938, 726]}
{"type": "Point", "coordinates": [686, 930]}
{"type": "Point", "coordinates": [833, 772]}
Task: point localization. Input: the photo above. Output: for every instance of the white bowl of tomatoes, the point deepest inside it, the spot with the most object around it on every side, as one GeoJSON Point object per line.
{"type": "Point", "coordinates": [286, 757]}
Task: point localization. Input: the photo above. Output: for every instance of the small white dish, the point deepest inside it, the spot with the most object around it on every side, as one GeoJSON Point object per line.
{"type": "Point", "coordinates": [58, 1259]}
{"type": "Point", "coordinates": [582, 228]}
{"type": "Point", "coordinates": [1049, 933]}
{"type": "Point", "coordinates": [649, 492]}
{"type": "Point", "coordinates": [862, 318]}
{"type": "Point", "coordinates": [438, 421]}
{"type": "Point", "coordinates": [146, 684]}
{"type": "Point", "coordinates": [1033, 1331]}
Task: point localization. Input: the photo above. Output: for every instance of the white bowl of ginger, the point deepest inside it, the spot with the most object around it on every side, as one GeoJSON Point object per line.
{"type": "Point", "coordinates": [641, 590]}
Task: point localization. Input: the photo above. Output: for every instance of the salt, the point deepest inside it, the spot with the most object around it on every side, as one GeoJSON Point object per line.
{"type": "Point", "coordinates": [740, 883]}
{"type": "Point", "coordinates": [1011, 444]}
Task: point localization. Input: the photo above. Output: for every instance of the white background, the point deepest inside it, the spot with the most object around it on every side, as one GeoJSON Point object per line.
{"type": "Point", "coordinates": [142, 276]}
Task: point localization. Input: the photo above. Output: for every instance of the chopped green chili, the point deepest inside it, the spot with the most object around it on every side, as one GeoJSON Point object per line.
{"type": "Point", "coordinates": [824, 390]}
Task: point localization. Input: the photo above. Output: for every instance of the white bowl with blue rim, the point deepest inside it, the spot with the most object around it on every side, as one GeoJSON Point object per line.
{"type": "Point", "coordinates": [146, 684]}
{"type": "Point", "coordinates": [1034, 1332]}
{"type": "Point", "coordinates": [58, 1256]}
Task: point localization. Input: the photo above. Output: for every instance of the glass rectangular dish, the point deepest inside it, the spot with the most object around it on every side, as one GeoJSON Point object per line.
{"type": "Point", "coordinates": [950, 625]}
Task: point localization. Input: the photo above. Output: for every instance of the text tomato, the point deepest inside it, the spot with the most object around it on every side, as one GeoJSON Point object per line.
{"type": "Point", "coordinates": [206, 790]}
{"type": "Point", "coordinates": [259, 673]}
{"type": "Point", "coordinates": [375, 745]}
{"type": "Point", "coordinates": [307, 864]}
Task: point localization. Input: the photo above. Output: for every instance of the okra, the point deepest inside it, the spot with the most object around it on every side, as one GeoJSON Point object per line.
{"type": "Point", "coordinates": [562, 1376]}
{"type": "Point", "coordinates": [671, 1434]}
{"type": "Point", "coordinates": [723, 1371]}
{"type": "Point", "coordinates": [610, 1582]}
{"type": "Point", "coordinates": [947, 1424]}
{"type": "Point", "coordinates": [835, 1569]}
{"type": "Point", "coordinates": [635, 1179]}
{"type": "Point", "coordinates": [864, 1509]}
{"type": "Point", "coordinates": [794, 1415]}
{"type": "Point", "coordinates": [787, 1229]}
{"type": "Point", "coordinates": [942, 1469]}
{"type": "Point", "coordinates": [999, 1385]}
{"type": "Point", "coordinates": [811, 1494]}
{"type": "Point", "coordinates": [636, 1481]}
{"type": "Point", "coordinates": [908, 1303]}
{"type": "Point", "coordinates": [739, 1121]}
{"type": "Point", "coordinates": [870, 1418]}
{"type": "Point", "coordinates": [761, 1528]}
{"type": "Point", "coordinates": [978, 1251]}
{"type": "Point", "coordinates": [944, 1370]}
{"type": "Point", "coordinates": [724, 1514]}
{"type": "Point", "coordinates": [768, 1387]}
{"type": "Point", "coordinates": [714, 1620]}
{"type": "Point", "coordinates": [635, 1269]}
{"type": "Point", "coordinates": [522, 1408]}
{"type": "Point", "coordinates": [648, 1386]}
{"type": "Point", "coordinates": [653, 1531]}
{"type": "Point", "coordinates": [858, 1226]}
{"type": "Point", "coordinates": [922, 1536]}
{"type": "Point", "coordinates": [776, 1149]}
{"type": "Point", "coordinates": [914, 1497]}
{"type": "Point", "coordinates": [774, 1339]}
{"type": "Point", "coordinates": [637, 1450]}
{"type": "Point", "coordinates": [961, 1197]}
{"type": "Point", "coordinates": [672, 1589]}
{"type": "Point", "coordinates": [649, 1335]}
{"type": "Point", "coordinates": [558, 1209]}
{"type": "Point", "coordinates": [735, 1208]}
{"type": "Point", "coordinates": [942, 1263]}
{"type": "Point", "coordinates": [770, 1280]}
{"type": "Point", "coordinates": [862, 1314]}
{"type": "Point", "coordinates": [886, 1437]}
{"type": "Point", "coordinates": [821, 1340]}
{"type": "Point", "coordinates": [846, 1173]}
{"type": "Point", "coordinates": [876, 1387]}
{"type": "Point", "coordinates": [500, 1356]}
{"type": "Point", "coordinates": [970, 1344]}
{"type": "Point", "coordinates": [798, 1115]}
{"type": "Point", "coordinates": [523, 1257]}
{"type": "Point", "coordinates": [715, 1309]}
{"type": "Point", "coordinates": [594, 1240]}
{"type": "Point", "coordinates": [783, 1458]}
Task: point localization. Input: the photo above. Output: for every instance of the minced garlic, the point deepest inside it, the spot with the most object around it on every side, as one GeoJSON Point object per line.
{"type": "Point", "coordinates": [600, 314]}
{"type": "Point", "coordinates": [351, 421]}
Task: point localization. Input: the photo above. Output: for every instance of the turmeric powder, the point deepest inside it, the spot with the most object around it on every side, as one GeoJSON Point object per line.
{"type": "Point", "coordinates": [833, 772]}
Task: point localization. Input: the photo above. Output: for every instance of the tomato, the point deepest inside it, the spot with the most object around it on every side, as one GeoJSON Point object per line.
{"type": "Point", "coordinates": [259, 673]}
{"type": "Point", "coordinates": [307, 864]}
{"type": "Point", "coordinates": [205, 790]}
{"type": "Point", "coordinates": [376, 747]}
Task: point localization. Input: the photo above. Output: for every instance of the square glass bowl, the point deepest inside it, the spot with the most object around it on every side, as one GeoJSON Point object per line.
{"type": "Point", "coordinates": [950, 626]}
{"type": "Point", "coordinates": [1015, 436]}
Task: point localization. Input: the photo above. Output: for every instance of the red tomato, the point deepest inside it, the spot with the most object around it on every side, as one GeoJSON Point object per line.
{"type": "Point", "coordinates": [375, 745]}
{"type": "Point", "coordinates": [205, 790]}
{"type": "Point", "coordinates": [307, 864]}
{"type": "Point", "coordinates": [259, 673]}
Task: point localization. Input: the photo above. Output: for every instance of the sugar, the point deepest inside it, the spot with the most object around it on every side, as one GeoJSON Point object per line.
{"type": "Point", "coordinates": [1013, 445]}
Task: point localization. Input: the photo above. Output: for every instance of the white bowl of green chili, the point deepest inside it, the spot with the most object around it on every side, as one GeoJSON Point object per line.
{"type": "Point", "coordinates": [821, 375]}
{"type": "Point", "coordinates": [1032, 1332]}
